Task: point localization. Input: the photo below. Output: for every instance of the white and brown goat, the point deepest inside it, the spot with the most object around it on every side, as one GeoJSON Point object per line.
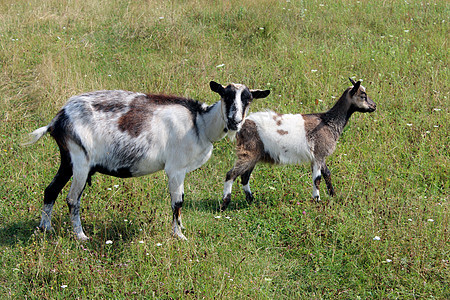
{"type": "Point", "coordinates": [127, 134]}
{"type": "Point", "coordinates": [294, 139]}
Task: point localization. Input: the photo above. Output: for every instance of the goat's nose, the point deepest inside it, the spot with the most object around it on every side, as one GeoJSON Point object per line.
{"type": "Point", "coordinates": [233, 125]}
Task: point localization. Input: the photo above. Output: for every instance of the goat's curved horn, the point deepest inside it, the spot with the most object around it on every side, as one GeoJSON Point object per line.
{"type": "Point", "coordinates": [352, 81]}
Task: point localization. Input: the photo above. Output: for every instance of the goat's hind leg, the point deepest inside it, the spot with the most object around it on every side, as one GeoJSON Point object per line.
{"type": "Point", "coordinates": [242, 168]}
{"type": "Point", "coordinates": [80, 174]}
{"type": "Point", "coordinates": [245, 178]}
{"type": "Point", "coordinates": [53, 189]}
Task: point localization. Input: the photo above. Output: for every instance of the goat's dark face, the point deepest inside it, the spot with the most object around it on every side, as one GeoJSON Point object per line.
{"type": "Point", "coordinates": [236, 99]}
{"type": "Point", "coordinates": [359, 99]}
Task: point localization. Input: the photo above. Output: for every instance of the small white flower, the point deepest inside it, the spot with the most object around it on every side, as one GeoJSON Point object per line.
{"type": "Point", "coordinates": [109, 189]}
{"type": "Point", "coordinates": [376, 238]}
{"type": "Point", "coordinates": [147, 254]}
{"type": "Point", "coordinates": [261, 28]}
{"type": "Point", "coordinates": [408, 124]}
{"type": "Point", "coordinates": [437, 109]}
{"type": "Point", "coordinates": [406, 30]}
{"type": "Point", "coordinates": [116, 185]}
{"type": "Point", "coordinates": [430, 220]}
{"type": "Point", "coordinates": [228, 218]}
{"type": "Point", "coordinates": [141, 242]}
{"type": "Point", "coordinates": [125, 220]}
{"type": "Point", "coordinates": [436, 126]}
{"type": "Point", "coordinates": [109, 242]}
{"type": "Point", "coordinates": [161, 18]}
{"type": "Point", "coordinates": [217, 217]}
{"type": "Point", "coordinates": [388, 260]}
{"type": "Point", "coordinates": [158, 244]}
{"type": "Point", "coordinates": [313, 70]}
{"type": "Point", "coordinates": [220, 66]}
{"type": "Point", "coordinates": [410, 220]}
{"type": "Point", "coordinates": [64, 286]}
{"type": "Point", "coordinates": [109, 75]}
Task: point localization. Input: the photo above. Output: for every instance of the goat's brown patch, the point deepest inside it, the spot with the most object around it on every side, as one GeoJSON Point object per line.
{"type": "Point", "coordinates": [282, 132]}
{"type": "Point", "coordinates": [321, 138]}
{"type": "Point", "coordinates": [249, 150]}
{"type": "Point", "coordinates": [250, 147]}
{"type": "Point", "coordinates": [277, 118]}
{"type": "Point", "coordinates": [142, 107]}
{"type": "Point", "coordinates": [133, 120]}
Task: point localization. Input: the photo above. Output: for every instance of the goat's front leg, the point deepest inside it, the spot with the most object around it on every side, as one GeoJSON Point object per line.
{"type": "Point", "coordinates": [327, 176]}
{"type": "Point", "coordinates": [316, 176]}
{"type": "Point", "coordinates": [176, 189]}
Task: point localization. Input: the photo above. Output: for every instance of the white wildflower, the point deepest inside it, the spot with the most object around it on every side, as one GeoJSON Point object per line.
{"type": "Point", "coordinates": [376, 238]}
{"type": "Point", "coordinates": [109, 242]}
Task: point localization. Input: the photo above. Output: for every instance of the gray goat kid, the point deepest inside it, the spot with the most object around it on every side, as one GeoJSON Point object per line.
{"type": "Point", "coordinates": [127, 134]}
{"type": "Point", "coordinates": [294, 139]}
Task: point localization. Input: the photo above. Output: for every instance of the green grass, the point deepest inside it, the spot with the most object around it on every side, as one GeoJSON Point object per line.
{"type": "Point", "coordinates": [390, 169]}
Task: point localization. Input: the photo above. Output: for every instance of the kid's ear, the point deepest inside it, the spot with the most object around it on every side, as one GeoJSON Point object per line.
{"type": "Point", "coordinates": [217, 87]}
{"type": "Point", "coordinates": [260, 93]}
{"type": "Point", "coordinates": [355, 88]}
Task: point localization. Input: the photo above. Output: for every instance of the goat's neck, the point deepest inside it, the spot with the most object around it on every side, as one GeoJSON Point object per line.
{"type": "Point", "coordinates": [338, 116]}
{"type": "Point", "coordinates": [213, 123]}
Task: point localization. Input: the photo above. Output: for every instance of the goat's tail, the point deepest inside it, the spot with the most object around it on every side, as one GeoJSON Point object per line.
{"type": "Point", "coordinates": [36, 135]}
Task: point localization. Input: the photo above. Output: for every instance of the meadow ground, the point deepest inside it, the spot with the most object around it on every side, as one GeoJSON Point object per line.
{"type": "Point", "coordinates": [384, 236]}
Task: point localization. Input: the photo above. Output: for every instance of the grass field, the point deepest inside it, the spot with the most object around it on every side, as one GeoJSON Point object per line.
{"type": "Point", "coordinates": [384, 236]}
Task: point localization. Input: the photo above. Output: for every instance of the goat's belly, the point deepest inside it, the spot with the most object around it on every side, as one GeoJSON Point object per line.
{"type": "Point", "coordinates": [287, 151]}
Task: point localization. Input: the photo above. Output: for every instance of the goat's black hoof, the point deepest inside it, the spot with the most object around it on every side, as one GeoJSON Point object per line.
{"type": "Point", "coordinates": [249, 197]}
{"type": "Point", "coordinates": [225, 202]}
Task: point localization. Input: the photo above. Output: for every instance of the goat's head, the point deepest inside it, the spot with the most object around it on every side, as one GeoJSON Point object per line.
{"type": "Point", "coordinates": [236, 99]}
{"type": "Point", "coordinates": [359, 99]}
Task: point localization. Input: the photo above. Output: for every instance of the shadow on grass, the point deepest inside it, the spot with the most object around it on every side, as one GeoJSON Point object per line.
{"type": "Point", "coordinates": [15, 232]}
{"type": "Point", "coordinates": [99, 231]}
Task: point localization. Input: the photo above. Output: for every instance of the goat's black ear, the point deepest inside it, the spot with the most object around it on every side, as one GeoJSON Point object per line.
{"type": "Point", "coordinates": [352, 81]}
{"type": "Point", "coordinates": [216, 87]}
{"type": "Point", "coordinates": [355, 88]}
{"type": "Point", "coordinates": [260, 93]}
